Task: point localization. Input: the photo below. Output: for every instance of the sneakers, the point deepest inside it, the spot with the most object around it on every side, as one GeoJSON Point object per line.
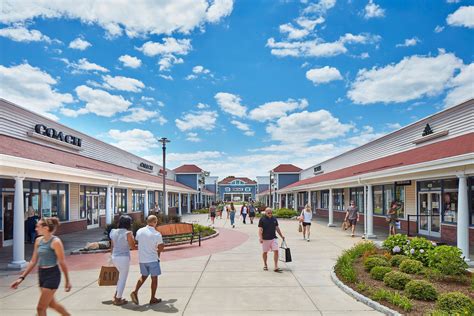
{"type": "Point", "coordinates": [307, 240]}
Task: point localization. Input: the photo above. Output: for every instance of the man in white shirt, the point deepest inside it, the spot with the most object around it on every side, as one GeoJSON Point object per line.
{"type": "Point", "coordinates": [150, 245]}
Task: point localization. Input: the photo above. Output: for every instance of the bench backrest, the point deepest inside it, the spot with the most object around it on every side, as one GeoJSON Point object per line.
{"type": "Point", "coordinates": [175, 229]}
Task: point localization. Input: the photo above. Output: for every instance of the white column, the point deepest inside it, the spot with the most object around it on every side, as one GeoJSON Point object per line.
{"type": "Point", "coordinates": [113, 204]}
{"type": "Point", "coordinates": [189, 203]}
{"type": "Point", "coordinates": [331, 210]}
{"type": "Point", "coordinates": [18, 227]}
{"type": "Point", "coordinates": [146, 209]}
{"type": "Point", "coordinates": [309, 200]}
{"type": "Point", "coordinates": [108, 206]}
{"type": "Point", "coordinates": [463, 217]}
{"type": "Point", "coordinates": [370, 213]}
{"type": "Point", "coordinates": [179, 205]}
{"type": "Point", "coordinates": [165, 196]}
{"type": "Point", "coordinates": [286, 201]}
{"type": "Point", "coordinates": [295, 201]}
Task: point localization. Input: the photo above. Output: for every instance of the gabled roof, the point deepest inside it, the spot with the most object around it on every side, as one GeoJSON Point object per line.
{"type": "Point", "coordinates": [287, 168]}
{"type": "Point", "coordinates": [456, 146]}
{"type": "Point", "coordinates": [188, 169]}
{"type": "Point", "coordinates": [229, 179]}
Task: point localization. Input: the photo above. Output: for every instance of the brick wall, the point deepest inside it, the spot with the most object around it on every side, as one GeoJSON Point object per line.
{"type": "Point", "coordinates": [136, 216]}
{"type": "Point", "coordinates": [449, 234]}
{"type": "Point", "coordinates": [71, 227]}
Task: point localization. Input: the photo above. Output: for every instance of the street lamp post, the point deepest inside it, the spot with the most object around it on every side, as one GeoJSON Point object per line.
{"type": "Point", "coordinates": [163, 141]}
{"type": "Point", "coordinates": [271, 182]}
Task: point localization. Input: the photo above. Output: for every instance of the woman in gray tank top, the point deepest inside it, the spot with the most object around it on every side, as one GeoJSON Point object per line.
{"type": "Point", "coordinates": [48, 254]}
{"type": "Point", "coordinates": [122, 241]}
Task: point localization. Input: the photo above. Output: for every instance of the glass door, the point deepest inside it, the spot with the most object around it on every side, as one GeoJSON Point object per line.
{"type": "Point", "coordinates": [8, 210]}
{"type": "Point", "coordinates": [92, 206]}
{"type": "Point", "coordinates": [429, 220]}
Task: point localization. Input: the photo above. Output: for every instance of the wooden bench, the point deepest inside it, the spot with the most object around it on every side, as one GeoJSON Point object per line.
{"type": "Point", "coordinates": [175, 231]}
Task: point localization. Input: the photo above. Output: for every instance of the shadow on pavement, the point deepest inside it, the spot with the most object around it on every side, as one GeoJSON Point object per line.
{"type": "Point", "coordinates": [165, 306]}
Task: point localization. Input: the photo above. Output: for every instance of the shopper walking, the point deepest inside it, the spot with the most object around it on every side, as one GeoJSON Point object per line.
{"type": "Point", "coordinates": [122, 242]}
{"type": "Point", "coordinates": [150, 245]}
{"type": "Point", "coordinates": [392, 218]}
{"type": "Point", "coordinates": [212, 213]}
{"type": "Point", "coordinates": [352, 215]}
{"type": "Point", "coordinates": [232, 214]}
{"type": "Point", "coordinates": [267, 228]}
{"type": "Point", "coordinates": [243, 212]}
{"type": "Point", "coordinates": [48, 253]}
{"type": "Point", "coordinates": [251, 212]}
{"type": "Point", "coordinates": [306, 216]}
{"type": "Point", "coordinates": [30, 223]}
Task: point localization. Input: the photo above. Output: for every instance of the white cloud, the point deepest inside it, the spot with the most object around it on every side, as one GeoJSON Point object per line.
{"type": "Point", "coordinates": [79, 44]}
{"type": "Point", "coordinates": [205, 120]}
{"type": "Point", "coordinates": [99, 102]}
{"type": "Point", "coordinates": [32, 88]}
{"type": "Point", "coordinates": [463, 87]}
{"type": "Point", "coordinates": [306, 26]}
{"type": "Point", "coordinates": [464, 16]}
{"type": "Point", "coordinates": [136, 140]}
{"type": "Point", "coordinates": [167, 51]}
{"type": "Point", "coordinates": [22, 34]}
{"type": "Point", "coordinates": [320, 7]}
{"type": "Point", "coordinates": [138, 115]}
{"type": "Point", "coordinates": [200, 70]}
{"type": "Point", "coordinates": [306, 126]}
{"type": "Point", "coordinates": [181, 158]}
{"type": "Point", "coordinates": [409, 42]}
{"type": "Point", "coordinates": [130, 61]}
{"type": "Point", "coordinates": [323, 75]}
{"type": "Point", "coordinates": [366, 135]}
{"type": "Point", "coordinates": [135, 18]}
{"type": "Point", "coordinates": [122, 83]}
{"type": "Point", "coordinates": [453, 1]}
{"type": "Point", "coordinates": [438, 29]}
{"type": "Point", "coordinates": [193, 137]}
{"type": "Point", "coordinates": [166, 77]}
{"type": "Point", "coordinates": [373, 10]}
{"type": "Point", "coordinates": [190, 77]}
{"type": "Point", "coordinates": [276, 109]}
{"type": "Point", "coordinates": [243, 127]}
{"type": "Point", "coordinates": [202, 106]}
{"type": "Point", "coordinates": [412, 78]}
{"type": "Point", "coordinates": [394, 125]}
{"type": "Point", "coordinates": [318, 48]}
{"type": "Point", "coordinates": [230, 103]}
{"type": "Point", "coordinates": [83, 65]}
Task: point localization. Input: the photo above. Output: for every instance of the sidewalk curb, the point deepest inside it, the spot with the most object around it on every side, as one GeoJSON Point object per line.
{"type": "Point", "coordinates": [78, 252]}
{"type": "Point", "coordinates": [361, 298]}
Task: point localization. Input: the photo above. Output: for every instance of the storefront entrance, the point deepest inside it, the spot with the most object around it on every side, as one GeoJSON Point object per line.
{"type": "Point", "coordinates": [8, 207]}
{"type": "Point", "coordinates": [92, 208]}
{"type": "Point", "coordinates": [430, 213]}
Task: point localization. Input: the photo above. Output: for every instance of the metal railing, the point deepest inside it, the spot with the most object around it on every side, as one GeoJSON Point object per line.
{"type": "Point", "coordinates": [417, 216]}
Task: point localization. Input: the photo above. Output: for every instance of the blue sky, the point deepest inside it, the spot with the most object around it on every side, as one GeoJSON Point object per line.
{"type": "Point", "coordinates": [238, 86]}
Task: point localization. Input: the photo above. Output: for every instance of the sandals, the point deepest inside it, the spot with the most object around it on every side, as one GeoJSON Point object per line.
{"type": "Point", "coordinates": [155, 301]}
{"type": "Point", "coordinates": [265, 268]}
{"type": "Point", "coordinates": [119, 301]}
{"type": "Point", "coordinates": [134, 297]}
{"type": "Point", "coordinates": [278, 270]}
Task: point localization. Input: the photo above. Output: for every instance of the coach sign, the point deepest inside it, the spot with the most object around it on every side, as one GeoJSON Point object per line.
{"type": "Point", "coordinates": [145, 167]}
{"type": "Point", "coordinates": [47, 133]}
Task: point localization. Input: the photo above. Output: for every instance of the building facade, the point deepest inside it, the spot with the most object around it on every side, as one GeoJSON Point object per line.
{"type": "Point", "coordinates": [237, 189]}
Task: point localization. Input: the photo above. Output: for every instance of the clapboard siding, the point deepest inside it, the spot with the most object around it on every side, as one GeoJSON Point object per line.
{"type": "Point", "coordinates": [16, 121]}
{"type": "Point", "coordinates": [410, 199]}
{"type": "Point", "coordinates": [74, 201]}
{"type": "Point", "coordinates": [458, 120]}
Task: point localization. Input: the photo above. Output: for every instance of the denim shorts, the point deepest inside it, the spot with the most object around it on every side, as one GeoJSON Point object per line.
{"type": "Point", "coordinates": [150, 268]}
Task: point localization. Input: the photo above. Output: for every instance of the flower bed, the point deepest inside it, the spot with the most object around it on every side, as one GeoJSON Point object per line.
{"type": "Point", "coordinates": [416, 282]}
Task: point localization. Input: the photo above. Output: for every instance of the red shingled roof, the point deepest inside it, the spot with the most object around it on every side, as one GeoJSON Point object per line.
{"type": "Point", "coordinates": [443, 149]}
{"type": "Point", "coordinates": [229, 179]}
{"type": "Point", "coordinates": [287, 168]}
{"type": "Point", "coordinates": [188, 169]}
{"type": "Point", "coordinates": [24, 149]}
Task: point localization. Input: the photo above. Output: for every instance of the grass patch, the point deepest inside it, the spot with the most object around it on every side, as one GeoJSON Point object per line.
{"type": "Point", "coordinates": [392, 297]}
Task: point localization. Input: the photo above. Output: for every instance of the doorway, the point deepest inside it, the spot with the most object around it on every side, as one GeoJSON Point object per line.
{"type": "Point", "coordinates": [8, 206]}
{"type": "Point", "coordinates": [92, 208]}
{"type": "Point", "coordinates": [430, 211]}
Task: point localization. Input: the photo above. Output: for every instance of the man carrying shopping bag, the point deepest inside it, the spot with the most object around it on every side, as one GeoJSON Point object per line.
{"type": "Point", "coordinates": [267, 228]}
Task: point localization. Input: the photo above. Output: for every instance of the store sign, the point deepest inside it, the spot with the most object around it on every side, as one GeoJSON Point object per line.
{"type": "Point", "coordinates": [145, 167]}
{"type": "Point", "coordinates": [402, 183]}
{"type": "Point", "coordinates": [238, 189]}
{"type": "Point", "coordinates": [43, 130]}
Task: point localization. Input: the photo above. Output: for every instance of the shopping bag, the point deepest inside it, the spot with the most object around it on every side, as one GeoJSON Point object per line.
{"type": "Point", "coordinates": [285, 253]}
{"type": "Point", "coordinates": [108, 276]}
{"type": "Point", "coordinates": [398, 225]}
{"type": "Point", "coordinates": [300, 228]}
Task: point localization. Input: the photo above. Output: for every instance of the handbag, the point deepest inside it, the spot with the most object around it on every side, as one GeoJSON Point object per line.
{"type": "Point", "coordinates": [300, 228]}
{"type": "Point", "coordinates": [108, 276]}
{"type": "Point", "coordinates": [398, 225]}
{"type": "Point", "coordinates": [285, 253]}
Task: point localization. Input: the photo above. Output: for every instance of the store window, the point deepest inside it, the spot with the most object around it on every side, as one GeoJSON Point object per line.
{"type": "Point", "coordinates": [92, 202]}
{"type": "Point", "coordinates": [357, 195]}
{"type": "Point", "coordinates": [388, 197]}
{"type": "Point", "coordinates": [383, 195]}
{"type": "Point", "coordinates": [151, 200]}
{"type": "Point", "coordinates": [120, 202]}
{"type": "Point", "coordinates": [471, 199]}
{"type": "Point", "coordinates": [314, 201]}
{"type": "Point", "coordinates": [378, 199]}
{"type": "Point", "coordinates": [138, 200]}
{"type": "Point", "coordinates": [400, 198]}
{"type": "Point", "coordinates": [450, 200]}
{"type": "Point", "coordinates": [325, 199]}
{"type": "Point", "coordinates": [338, 199]}
{"type": "Point", "coordinates": [49, 199]}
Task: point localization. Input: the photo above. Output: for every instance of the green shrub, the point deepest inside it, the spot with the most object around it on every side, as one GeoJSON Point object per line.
{"type": "Point", "coordinates": [397, 259]}
{"type": "Point", "coordinates": [447, 260]}
{"type": "Point", "coordinates": [455, 302]}
{"type": "Point", "coordinates": [375, 261]}
{"type": "Point", "coordinates": [421, 290]}
{"type": "Point", "coordinates": [204, 230]}
{"type": "Point", "coordinates": [285, 213]}
{"type": "Point", "coordinates": [395, 244]}
{"type": "Point", "coordinates": [394, 298]}
{"type": "Point", "coordinates": [136, 226]}
{"type": "Point", "coordinates": [411, 266]}
{"type": "Point", "coordinates": [396, 280]}
{"type": "Point", "coordinates": [345, 263]}
{"type": "Point", "coordinates": [201, 211]}
{"type": "Point", "coordinates": [378, 272]}
{"type": "Point", "coordinates": [359, 249]}
{"type": "Point", "coordinates": [418, 248]}
{"type": "Point", "coordinates": [362, 287]}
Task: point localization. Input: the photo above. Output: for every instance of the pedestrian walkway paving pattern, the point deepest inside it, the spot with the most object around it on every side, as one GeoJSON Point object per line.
{"type": "Point", "coordinates": [223, 277]}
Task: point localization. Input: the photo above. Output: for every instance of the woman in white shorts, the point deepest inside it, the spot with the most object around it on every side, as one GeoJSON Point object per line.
{"type": "Point", "coordinates": [306, 217]}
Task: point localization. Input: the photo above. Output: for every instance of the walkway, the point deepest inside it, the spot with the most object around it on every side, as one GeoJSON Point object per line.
{"type": "Point", "coordinates": [222, 282]}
